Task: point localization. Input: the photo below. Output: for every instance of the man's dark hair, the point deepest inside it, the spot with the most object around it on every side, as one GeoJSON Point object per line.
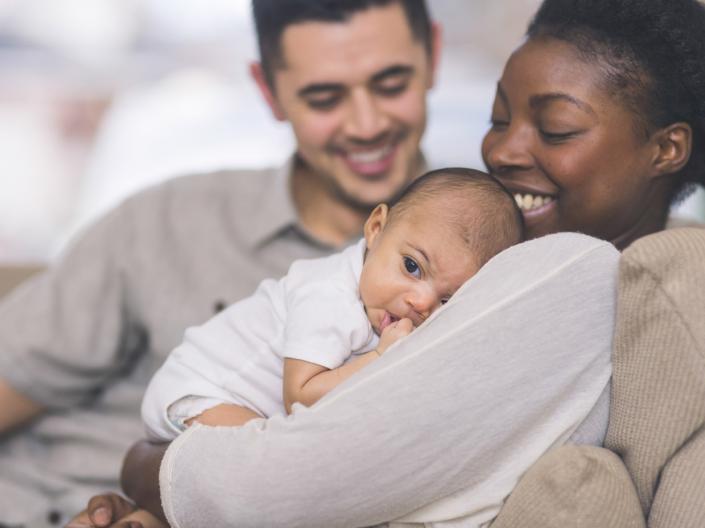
{"type": "Point", "coordinates": [272, 17]}
{"type": "Point", "coordinates": [476, 204]}
{"type": "Point", "coordinates": [653, 55]}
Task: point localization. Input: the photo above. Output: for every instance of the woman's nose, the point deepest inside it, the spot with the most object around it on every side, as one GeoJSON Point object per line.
{"type": "Point", "coordinates": [507, 148]}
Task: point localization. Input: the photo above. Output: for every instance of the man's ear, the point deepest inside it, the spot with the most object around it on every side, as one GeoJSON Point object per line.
{"type": "Point", "coordinates": [375, 224]}
{"type": "Point", "coordinates": [674, 145]}
{"type": "Point", "coordinates": [436, 48]}
{"type": "Point", "coordinates": [257, 74]}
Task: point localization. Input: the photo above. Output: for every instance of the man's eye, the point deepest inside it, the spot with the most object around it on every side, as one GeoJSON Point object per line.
{"type": "Point", "coordinates": [444, 300]}
{"type": "Point", "coordinates": [412, 267]}
{"type": "Point", "coordinates": [390, 90]}
{"type": "Point", "coordinates": [323, 103]}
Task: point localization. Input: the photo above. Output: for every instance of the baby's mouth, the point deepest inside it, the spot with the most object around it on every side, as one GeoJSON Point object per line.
{"type": "Point", "coordinates": [387, 319]}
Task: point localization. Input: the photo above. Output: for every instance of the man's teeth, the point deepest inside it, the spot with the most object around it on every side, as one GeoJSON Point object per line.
{"type": "Point", "coordinates": [370, 156]}
{"type": "Point", "coordinates": [527, 202]}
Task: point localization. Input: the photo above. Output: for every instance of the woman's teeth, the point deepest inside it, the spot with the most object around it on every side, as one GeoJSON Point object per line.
{"type": "Point", "coordinates": [527, 202]}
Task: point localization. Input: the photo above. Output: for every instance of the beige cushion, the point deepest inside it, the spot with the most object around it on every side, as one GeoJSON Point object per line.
{"type": "Point", "coordinates": [657, 415]}
{"type": "Point", "coordinates": [581, 486]}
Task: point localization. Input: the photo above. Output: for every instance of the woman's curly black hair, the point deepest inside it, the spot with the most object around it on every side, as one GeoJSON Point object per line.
{"type": "Point", "coordinates": [653, 56]}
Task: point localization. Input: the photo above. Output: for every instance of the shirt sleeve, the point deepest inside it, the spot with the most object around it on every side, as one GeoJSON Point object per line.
{"type": "Point", "coordinates": [54, 348]}
{"type": "Point", "coordinates": [440, 427]}
{"type": "Point", "coordinates": [325, 324]}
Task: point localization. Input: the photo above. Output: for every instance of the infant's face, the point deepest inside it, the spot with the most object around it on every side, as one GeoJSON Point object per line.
{"type": "Point", "coordinates": [413, 265]}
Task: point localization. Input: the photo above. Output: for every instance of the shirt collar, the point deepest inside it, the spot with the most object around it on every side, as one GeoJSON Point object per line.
{"type": "Point", "coordinates": [277, 214]}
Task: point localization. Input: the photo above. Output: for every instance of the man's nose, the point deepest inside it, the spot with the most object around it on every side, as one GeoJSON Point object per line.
{"type": "Point", "coordinates": [366, 120]}
{"type": "Point", "coordinates": [508, 149]}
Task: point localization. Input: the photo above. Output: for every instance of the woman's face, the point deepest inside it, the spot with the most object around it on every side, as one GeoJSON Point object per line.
{"type": "Point", "coordinates": [569, 150]}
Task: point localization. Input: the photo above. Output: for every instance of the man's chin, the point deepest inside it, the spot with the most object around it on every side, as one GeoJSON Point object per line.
{"type": "Point", "coordinates": [366, 198]}
{"type": "Point", "coordinates": [366, 203]}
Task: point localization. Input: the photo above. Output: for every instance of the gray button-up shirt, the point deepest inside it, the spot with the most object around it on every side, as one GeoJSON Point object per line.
{"type": "Point", "coordinates": [84, 338]}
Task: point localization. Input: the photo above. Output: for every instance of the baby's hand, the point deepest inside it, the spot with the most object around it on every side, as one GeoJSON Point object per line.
{"type": "Point", "coordinates": [393, 333]}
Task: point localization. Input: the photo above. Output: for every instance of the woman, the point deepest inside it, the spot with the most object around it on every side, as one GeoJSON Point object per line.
{"type": "Point", "coordinates": [598, 126]}
{"type": "Point", "coordinates": [599, 117]}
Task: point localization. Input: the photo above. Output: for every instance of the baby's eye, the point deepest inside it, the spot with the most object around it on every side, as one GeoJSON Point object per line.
{"type": "Point", "coordinates": [412, 267]}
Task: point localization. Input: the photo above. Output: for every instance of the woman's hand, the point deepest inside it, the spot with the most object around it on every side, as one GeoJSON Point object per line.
{"type": "Point", "coordinates": [114, 511]}
{"type": "Point", "coordinates": [103, 510]}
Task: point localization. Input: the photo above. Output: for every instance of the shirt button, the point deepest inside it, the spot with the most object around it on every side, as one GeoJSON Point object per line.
{"type": "Point", "coordinates": [219, 306]}
{"type": "Point", "coordinates": [54, 517]}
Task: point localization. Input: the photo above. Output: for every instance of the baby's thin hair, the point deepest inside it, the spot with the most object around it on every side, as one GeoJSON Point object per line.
{"type": "Point", "coordinates": [482, 210]}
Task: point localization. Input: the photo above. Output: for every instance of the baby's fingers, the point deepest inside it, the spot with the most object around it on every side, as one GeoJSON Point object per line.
{"type": "Point", "coordinates": [405, 325]}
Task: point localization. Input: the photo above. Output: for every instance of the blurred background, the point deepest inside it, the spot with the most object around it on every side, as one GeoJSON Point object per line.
{"type": "Point", "coordinates": [99, 98]}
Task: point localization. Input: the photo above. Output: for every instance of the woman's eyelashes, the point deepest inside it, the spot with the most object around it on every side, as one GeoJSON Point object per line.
{"type": "Point", "coordinates": [412, 267]}
{"type": "Point", "coordinates": [557, 137]}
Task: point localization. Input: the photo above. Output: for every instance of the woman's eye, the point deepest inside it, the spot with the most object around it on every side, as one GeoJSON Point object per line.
{"type": "Point", "coordinates": [412, 267]}
{"type": "Point", "coordinates": [557, 137]}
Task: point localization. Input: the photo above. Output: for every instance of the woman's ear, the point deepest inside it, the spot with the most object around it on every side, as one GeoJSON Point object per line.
{"type": "Point", "coordinates": [375, 224]}
{"type": "Point", "coordinates": [674, 145]}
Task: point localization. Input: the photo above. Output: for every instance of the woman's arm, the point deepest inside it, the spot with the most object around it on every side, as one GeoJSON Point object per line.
{"type": "Point", "coordinates": [140, 480]}
{"type": "Point", "coordinates": [441, 426]}
{"type": "Point", "coordinates": [140, 476]}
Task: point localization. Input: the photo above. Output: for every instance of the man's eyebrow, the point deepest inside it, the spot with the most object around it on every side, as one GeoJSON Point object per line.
{"type": "Point", "coordinates": [543, 99]}
{"type": "Point", "coordinates": [393, 71]}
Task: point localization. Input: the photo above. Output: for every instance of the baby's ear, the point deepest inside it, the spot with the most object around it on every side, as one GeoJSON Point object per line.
{"type": "Point", "coordinates": [375, 224]}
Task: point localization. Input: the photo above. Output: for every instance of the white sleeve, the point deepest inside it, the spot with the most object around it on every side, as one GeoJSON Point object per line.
{"type": "Point", "coordinates": [441, 427]}
{"type": "Point", "coordinates": [325, 323]}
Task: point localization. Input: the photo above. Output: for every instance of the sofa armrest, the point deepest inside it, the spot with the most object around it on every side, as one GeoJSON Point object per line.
{"type": "Point", "coordinates": [681, 491]}
{"type": "Point", "coordinates": [573, 485]}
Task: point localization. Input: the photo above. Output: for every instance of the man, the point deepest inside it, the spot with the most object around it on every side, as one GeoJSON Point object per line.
{"type": "Point", "coordinates": [79, 343]}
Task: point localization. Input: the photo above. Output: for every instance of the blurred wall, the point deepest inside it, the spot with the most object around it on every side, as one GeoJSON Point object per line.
{"type": "Point", "coordinates": [99, 98]}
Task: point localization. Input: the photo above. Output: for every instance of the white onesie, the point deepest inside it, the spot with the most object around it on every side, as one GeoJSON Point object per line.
{"type": "Point", "coordinates": [314, 313]}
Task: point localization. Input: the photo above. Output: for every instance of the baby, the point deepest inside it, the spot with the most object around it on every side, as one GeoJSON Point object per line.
{"type": "Point", "coordinates": [297, 338]}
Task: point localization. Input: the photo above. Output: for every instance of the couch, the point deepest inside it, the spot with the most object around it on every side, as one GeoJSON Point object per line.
{"type": "Point", "coordinates": [652, 469]}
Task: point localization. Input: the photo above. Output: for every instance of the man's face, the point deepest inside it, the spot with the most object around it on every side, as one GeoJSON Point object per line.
{"type": "Point", "coordinates": [355, 94]}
